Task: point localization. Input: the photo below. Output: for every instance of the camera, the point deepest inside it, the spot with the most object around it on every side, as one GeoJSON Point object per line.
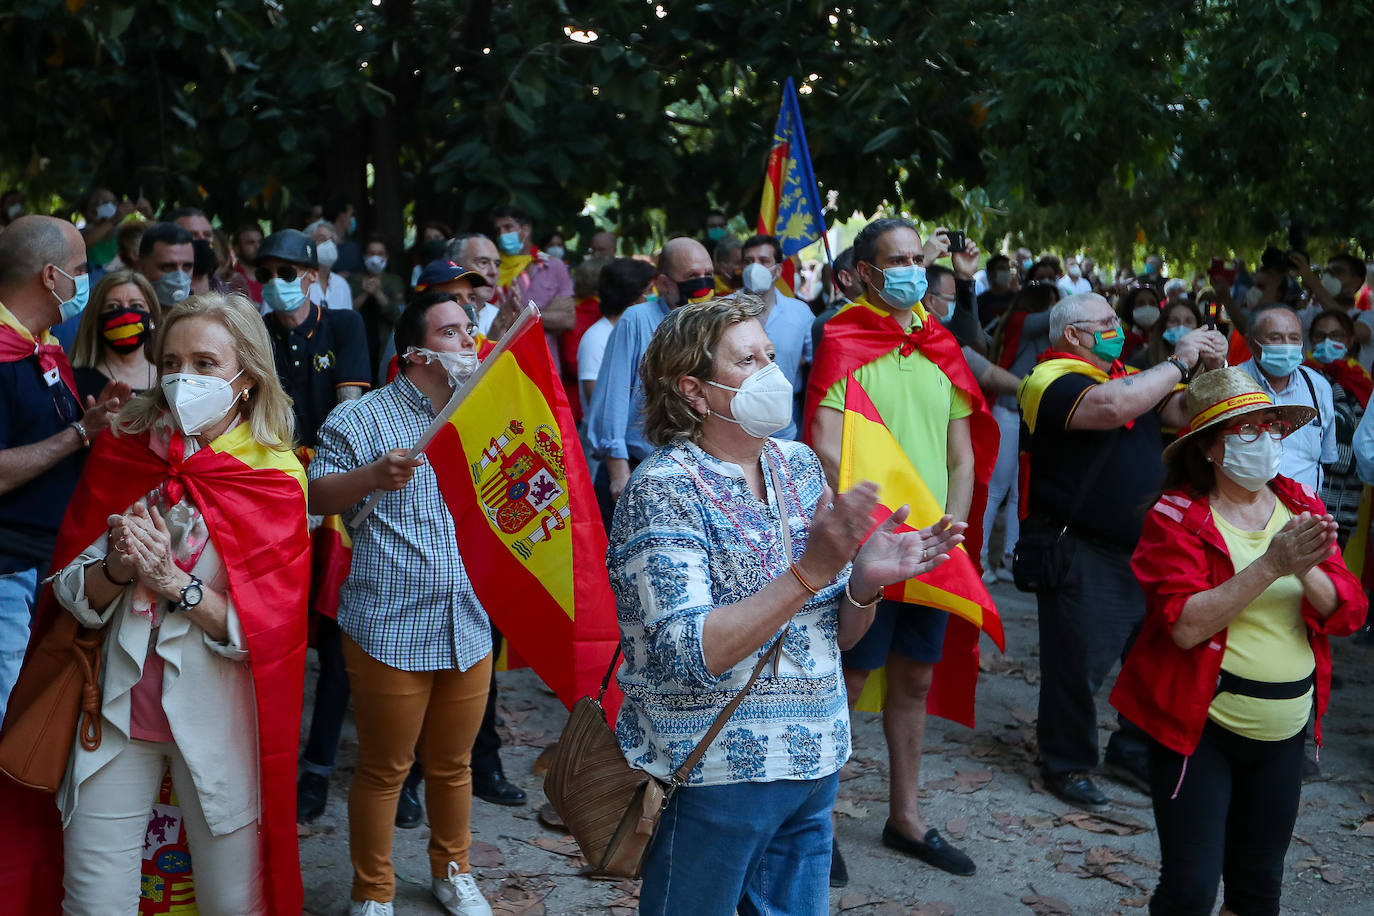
{"type": "Point", "coordinates": [958, 240]}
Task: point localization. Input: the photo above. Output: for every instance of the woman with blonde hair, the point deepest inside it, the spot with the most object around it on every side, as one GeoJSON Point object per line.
{"type": "Point", "coordinates": [186, 545]}
{"type": "Point", "coordinates": [113, 335]}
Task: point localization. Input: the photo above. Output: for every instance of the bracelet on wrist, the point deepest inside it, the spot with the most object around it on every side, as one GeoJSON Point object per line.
{"type": "Point", "coordinates": [105, 568]}
{"type": "Point", "coordinates": [804, 584]}
{"type": "Point", "coordinates": [856, 602]}
{"type": "Point", "coordinates": [81, 431]}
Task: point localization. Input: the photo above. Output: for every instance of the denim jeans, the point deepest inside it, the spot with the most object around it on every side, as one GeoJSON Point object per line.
{"type": "Point", "coordinates": [17, 591]}
{"type": "Point", "coordinates": [759, 847]}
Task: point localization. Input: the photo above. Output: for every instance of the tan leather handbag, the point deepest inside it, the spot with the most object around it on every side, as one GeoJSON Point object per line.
{"type": "Point", "coordinates": [611, 808]}
{"type": "Point", "coordinates": [58, 687]}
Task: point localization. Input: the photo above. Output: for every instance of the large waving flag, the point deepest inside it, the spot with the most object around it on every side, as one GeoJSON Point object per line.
{"type": "Point", "coordinates": [870, 452]}
{"type": "Point", "coordinates": [513, 475]}
{"type": "Point", "coordinates": [791, 205]}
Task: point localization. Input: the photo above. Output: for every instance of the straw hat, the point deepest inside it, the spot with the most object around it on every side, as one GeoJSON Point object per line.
{"type": "Point", "coordinates": [1220, 396]}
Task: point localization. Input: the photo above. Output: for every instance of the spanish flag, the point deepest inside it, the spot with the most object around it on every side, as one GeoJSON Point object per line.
{"type": "Point", "coordinates": [513, 475]}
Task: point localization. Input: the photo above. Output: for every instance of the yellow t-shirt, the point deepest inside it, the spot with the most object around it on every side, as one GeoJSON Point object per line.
{"type": "Point", "coordinates": [1266, 642]}
{"type": "Point", "coordinates": [917, 401]}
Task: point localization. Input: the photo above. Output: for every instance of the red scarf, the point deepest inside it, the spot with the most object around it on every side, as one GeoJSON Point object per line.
{"type": "Point", "coordinates": [855, 337]}
{"type": "Point", "coordinates": [254, 506]}
{"type": "Point", "coordinates": [52, 359]}
{"type": "Point", "coordinates": [1349, 374]}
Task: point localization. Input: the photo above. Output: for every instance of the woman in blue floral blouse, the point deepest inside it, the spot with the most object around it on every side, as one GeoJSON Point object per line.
{"type": "Point", "coordinates": [703, 588]}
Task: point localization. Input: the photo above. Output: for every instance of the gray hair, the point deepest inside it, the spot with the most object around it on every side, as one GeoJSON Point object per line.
{"type": "Point", "coordinates": [458, 244]}
{"type": "Point", "coordinates": [1070, 310]}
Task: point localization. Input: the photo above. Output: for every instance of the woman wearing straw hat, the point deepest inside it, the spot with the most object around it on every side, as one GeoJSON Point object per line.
{"type": "Point", "coordinates": [1243, 585]}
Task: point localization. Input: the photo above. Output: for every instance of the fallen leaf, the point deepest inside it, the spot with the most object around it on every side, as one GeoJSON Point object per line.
{"type": "Point", "coordinates": [964, 781]}
{"type": "Point", "coordinates": [1046, 906]}
{"type": "Point", "coordinates": [1366, 828]}
{"type": "Point", "coordinates": [849, 809]}
{"type": "Point", "coordinates": [1308, 862]}
{"type": "Point", "coordinates": [545, 759]}
{"type": "Point", "coordinates": [854, 901]}
{"type": "Point", "coordinates": [1134, 903]}
{"type": "Point", "coordinates": [563, 846]}
{"type": "Point", "coordinates": [1007, 821]}
{"type": "Point", "coordinates": [1332, 874]}
{"type": "Point", "coordinates": [1101, 855]}
{"type": "Point", "coordinates": [957, 827]}
{"type": "Point", "coordinates": [485, 855]}
{"type": "Point", "coordinates": [891, 908]}
{"type": "Point", "coordinates": [551, 818]}
{"type": "Point", "coordinates": [1115, 823]}
{"type": "Point", "coordinates": [935, 908]}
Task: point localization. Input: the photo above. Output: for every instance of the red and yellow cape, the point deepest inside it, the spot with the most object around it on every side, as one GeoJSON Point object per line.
{"type": "Point", "coordinates": [253, 502]}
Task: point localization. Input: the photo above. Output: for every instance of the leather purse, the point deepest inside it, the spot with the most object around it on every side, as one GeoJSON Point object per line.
{"type": "Point", "coordinates": [55, 702]}
{"type": "Point", "coordinates": [612, 809]}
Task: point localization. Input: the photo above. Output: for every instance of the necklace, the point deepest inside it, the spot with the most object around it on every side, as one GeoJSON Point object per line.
{"type": "Point", "coordinates": [109, 374]}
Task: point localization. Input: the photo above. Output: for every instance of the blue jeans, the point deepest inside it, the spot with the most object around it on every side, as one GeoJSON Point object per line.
{"type": "Point", "coordinates": [759, 847]}
{"type": "Point", "coordinates": [17, 591]}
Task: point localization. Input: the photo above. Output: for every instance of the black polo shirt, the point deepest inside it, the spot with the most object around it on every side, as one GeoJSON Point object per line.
{"type": "Point", "coordinates": [1113, 509]}
{"type": "Point", "coordinates": [325, 352]}
{"type": "Point", "coordinates": [31, 410]}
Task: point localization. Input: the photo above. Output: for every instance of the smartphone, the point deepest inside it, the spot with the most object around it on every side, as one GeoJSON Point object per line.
{"type": "Point", "coordinates": [958, 240]}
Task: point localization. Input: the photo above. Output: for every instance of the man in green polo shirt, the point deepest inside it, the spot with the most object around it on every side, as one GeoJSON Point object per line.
{"type": "Point", "coordinates": [929, 417]}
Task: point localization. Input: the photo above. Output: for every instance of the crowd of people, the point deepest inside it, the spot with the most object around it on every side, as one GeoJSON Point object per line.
{"type": "Point", "coordinates": [1173, 466]}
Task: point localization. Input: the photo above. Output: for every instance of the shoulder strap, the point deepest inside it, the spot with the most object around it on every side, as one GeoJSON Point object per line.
{"type": "Point", "coordinates": [1312, 391]}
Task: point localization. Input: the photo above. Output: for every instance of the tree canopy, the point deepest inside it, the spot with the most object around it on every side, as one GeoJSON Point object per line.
{"type": "Point", "coordinates": [1193, 127]}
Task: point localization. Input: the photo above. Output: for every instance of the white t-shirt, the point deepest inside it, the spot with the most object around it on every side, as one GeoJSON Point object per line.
{"type": "Point", "coordinates": [485, 316]}
{"type": "Point", "coordinates": [1069, 287]}
{"type": "Point", "coordinates": [339, 295]}
{"type": "Point", "coordinates": [591, 348]}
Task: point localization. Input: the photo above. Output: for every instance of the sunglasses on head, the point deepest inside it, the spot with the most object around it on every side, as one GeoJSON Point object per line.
{"type": "Point", "coordinates": [286, 272]}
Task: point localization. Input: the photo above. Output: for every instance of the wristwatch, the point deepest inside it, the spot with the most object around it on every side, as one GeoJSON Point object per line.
{"type": "Point", "coordinates": [1182, 368]}
{"type": "Point", "coordinates": [191, 594]}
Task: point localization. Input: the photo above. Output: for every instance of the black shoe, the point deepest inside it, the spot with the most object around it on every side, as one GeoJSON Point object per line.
{"type": "Point", "coordinates": [933, 851]}
{"type": "Point", "coordinates": [1076, 789]}
{"type": "Point", "coordinates": [494, 787]}
{"type": "Point", "coordinates": [312, 794]}
{"type": "Point", "coordinates": [839, 874]}
{"type": "Point", "coordinates": [409, 812]}
{"type": "Point", "coordinates": [1129, 770]}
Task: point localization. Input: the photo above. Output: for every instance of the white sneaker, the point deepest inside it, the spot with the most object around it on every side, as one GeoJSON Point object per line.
{"type": "Point", "coordinates": [989, 575]}
{"type": "Point", "coordinates": [369, 908]}
{"type": "Point", "coordinates": [459, 894]}
{"type": "Point", "coordinates": [1004, 574]}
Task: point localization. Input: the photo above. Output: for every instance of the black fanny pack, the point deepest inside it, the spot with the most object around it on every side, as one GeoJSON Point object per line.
{"type": "Point", "coordinates": [1263, 690]}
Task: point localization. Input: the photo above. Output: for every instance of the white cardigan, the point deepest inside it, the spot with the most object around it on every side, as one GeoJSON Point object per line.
{"type": "Point", "coordinates": [207, 693]}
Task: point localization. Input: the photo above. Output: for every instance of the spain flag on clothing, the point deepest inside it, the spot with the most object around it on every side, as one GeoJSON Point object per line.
{"type": "Point", "coordinates": [512, 472]}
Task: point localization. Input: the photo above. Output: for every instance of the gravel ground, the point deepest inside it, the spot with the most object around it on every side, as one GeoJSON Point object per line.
{"type": "Point", "coordinates": [1034, 853]}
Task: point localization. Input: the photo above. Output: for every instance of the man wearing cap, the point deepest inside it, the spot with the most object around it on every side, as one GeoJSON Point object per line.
{"type": "Point", "coordinates": [1093, 430]}
{"type": "Point", "coordinates": [614, 425]}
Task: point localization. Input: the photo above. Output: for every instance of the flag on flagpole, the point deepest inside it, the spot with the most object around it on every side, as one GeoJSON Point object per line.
{"type": "Point", "coordinates": [791, 205]}
{"type": "Point", "coordinates": [870, 452]}
{"type": "Point", "coordinates": [512, 473]}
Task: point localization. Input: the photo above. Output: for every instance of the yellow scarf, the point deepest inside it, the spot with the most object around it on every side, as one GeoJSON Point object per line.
{"type": "Point", "coordinates": [1033, 386]}
{"type": "Point", "coordinates": [512, 266]}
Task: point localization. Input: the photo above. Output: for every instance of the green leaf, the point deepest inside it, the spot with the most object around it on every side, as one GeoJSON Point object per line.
{"type": "Point", "coordinates": [519, 118]}
{"type": "Point", "coordinates": [882, 140]}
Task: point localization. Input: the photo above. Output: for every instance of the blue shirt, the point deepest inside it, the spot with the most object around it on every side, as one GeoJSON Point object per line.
{"type": "Point", "coordinates": [690, 536]}
{"type": "Point", "coordinates": [789, 328]}
{"type": "Point", "coordinates": [407, 601]}
{"type": "Point", "coordinates": [1306, 449]}
{"type": "Point", "coordinates": [615, 420]}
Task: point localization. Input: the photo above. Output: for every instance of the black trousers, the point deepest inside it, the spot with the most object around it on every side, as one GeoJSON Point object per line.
{"type": "Point", "coordinates": [1086, 626]}
{"type": "Point", "coordinates": [331, 700]}
{"type": "Point", "coordinates": [1231, 821]}
{"type": "Point", "coordinates": [486, 747]}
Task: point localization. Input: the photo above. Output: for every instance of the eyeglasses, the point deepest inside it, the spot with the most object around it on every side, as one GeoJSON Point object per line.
{"type": "Point", "coordinates": [1249, 432]}
{"type": "Point", "coordinates": [1112, 322]}
{"type": "Point", "coordinates": [264, 274]}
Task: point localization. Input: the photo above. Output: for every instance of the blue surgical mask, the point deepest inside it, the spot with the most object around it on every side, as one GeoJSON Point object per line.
{"type": "Point", "coordinates": [1173, 335]}
{"type": "Point", "coordinates": [1027, 264]}
{"type": "Point", "coordinates": [283, 295]}
{"type": "Point", "coordinates": [70, 308]}
{"type": "Point", "coordinates": [509, 242]}
{"type": "Point", "coordinates": [1328, 351]}
{"type": "Point", "coordinates": [1280, 360]}
{"type": "Point", "coordinates": [352, 225]}
{"type": "Point", "coordinates": [903, 287]}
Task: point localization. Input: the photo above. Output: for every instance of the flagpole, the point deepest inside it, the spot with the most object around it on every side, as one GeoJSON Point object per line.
{"type": "Point", "coordinates": [530, 313]}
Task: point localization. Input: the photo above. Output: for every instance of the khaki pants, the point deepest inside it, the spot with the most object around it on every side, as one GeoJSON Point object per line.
{"type": "Point", "coordinates": [394, 709]}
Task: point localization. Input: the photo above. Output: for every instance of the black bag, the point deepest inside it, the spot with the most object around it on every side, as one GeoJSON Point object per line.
{"type": "Point", "coordinates": [1041, 558]}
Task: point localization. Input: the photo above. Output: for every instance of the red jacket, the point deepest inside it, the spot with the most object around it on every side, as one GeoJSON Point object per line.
{"type": "Point", "coordinates": [1167, 690]}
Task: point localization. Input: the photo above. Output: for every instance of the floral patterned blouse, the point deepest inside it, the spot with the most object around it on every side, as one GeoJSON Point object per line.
{"type": "Point", "coordinates": [689, 536]}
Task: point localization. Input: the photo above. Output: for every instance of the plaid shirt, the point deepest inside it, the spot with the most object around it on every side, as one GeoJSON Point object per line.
{"type": "Point", "coordinates": [407, 600]}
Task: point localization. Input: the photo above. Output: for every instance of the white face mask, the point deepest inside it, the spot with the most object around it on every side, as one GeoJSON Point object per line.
{"type": "Point", "coordinates": [374, 263]}
{"type": "Point", "coordinates": [327, 253]}
{"type": "Point", "coordinates": [1331, 284]}
{"type": "Point", "coordinates": [762, 404]}
{"type": "Point", "coordinates": [198, 401]}
{"type": "Point", "coordinates": [1252, 464]}
{"type": "Point", "coordinates": [1075, 271]}
{"type": "Point", "coordinates": [459, 364]}
{"type": "Point", "coordinates": [106, 210]}
{"type": "Point", "coordinates": [757, 278]}
{"type": "Point", "coordinates": [1145, 316]}
{"type": "Point", "coordinates": [1253, 296]}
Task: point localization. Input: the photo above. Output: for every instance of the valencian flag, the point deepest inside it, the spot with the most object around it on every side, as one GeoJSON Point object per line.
{"type": "Point", "coordinates": [253, 501]}
{"type": "Point", "coordinates": [856, 336]}
{"type": "Point", "coordinates": [791, 205]}
{"type": "Point", "coordinates": [512, 472]}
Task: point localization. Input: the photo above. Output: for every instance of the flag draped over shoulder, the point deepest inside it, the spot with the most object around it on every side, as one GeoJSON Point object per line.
{"type": "Point", "coordinates": [253, 501]}
{"type": "Point", "coordinates": [512, 472]}
{"type": "Point", "coordinates": [791, 204]}
{"type": "Point", "coordinates": [856, 336]}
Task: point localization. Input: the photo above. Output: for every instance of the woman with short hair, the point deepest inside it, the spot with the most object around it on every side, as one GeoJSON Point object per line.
{"type": "Point", "coordinates": [1243, 586]}
{"type": "Point", "coordinates": [725, 541]}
